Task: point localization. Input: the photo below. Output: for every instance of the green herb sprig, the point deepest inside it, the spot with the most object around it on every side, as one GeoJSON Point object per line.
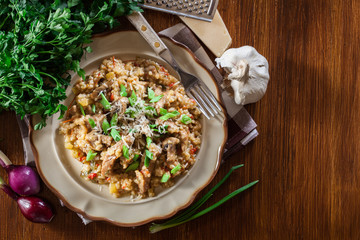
{"type": "Point", "coordinates": [41, 41]}
{"type": "Point", "coordinates": [190, 213]}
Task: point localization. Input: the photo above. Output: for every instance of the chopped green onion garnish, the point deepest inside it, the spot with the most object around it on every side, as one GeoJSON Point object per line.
{"type": "Point", "coordinates": [152, 97]}
{"type": "Point", "coordinates": [151, 93]}
{"type": "Point", "coordinates": [93, 108]}
{"type": "Point", "coordinates": [82, 110]}
{"type": "Point", "coordinates": [115, 135]}
{"type": "Point", "coordinates": [133, 166]}
{"type": "Point", "coordinates": [105, 126]}
{"type": "Point", "coordinates": [156, 99]}
{"type": "Point", "coordinates": [92, 122]}
{"type": "Point", "coordinates": [90, 155]}
{"type": "Point", "coordinates": [146, 161]}
{"type": "Point", "coordinates": [148, 141]}
{"type": "Point", "coordinates": [136, 156]}
{"type": "Point", "coordinates": [114, 120]}
{"type": "Point", "coordinates": [125, 152]}
{"type": "Point", "coordinates": [152, 126]}
{"type": "Point", "coordinates": [169, 115]}
{"type": "Point", "coordinates": [163, 111]}
{"type": "Point", "coordinates": [123, 92]}
{"type": "Point", "coordinates": [185, 119]}
{"type": "Point", "coordinates": [105, 102]}
{"type": "Point", "coordinates": [149, 154]}
{"type": "Point", "coordinates": [132, 98]}
{"type": "Point", "coordinates": [176, 169]}
{"type": "Point", "coordinates": [165, 177]}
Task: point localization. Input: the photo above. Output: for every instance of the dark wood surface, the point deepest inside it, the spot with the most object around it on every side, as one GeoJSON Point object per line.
{"type": "Point", "coordinates": [307, 156]}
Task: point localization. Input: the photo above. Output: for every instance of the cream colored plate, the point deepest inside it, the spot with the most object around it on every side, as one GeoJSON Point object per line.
{"type": "Point", "coordinates": [61, 172]}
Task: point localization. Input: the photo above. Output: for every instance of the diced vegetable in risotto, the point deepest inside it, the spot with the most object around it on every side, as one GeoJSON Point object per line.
{"type": "Point", "coordinates": [132, 127]}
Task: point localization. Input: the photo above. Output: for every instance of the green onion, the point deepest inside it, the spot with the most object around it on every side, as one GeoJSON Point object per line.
{"type": "Point", "coordinates": [149, 154]}
{"type": "Point", "coordinates": [123, 92]}
{"type": "Point", "coordinates": [169, 115]}
{"type": "Point", "coordinates": [82, 110]}
{"type": "Point", "coordinates": [92, 122]}
{"type": "Point", "coordinates": [125, 152]}
{"type": "Point", "coordinates": [146, 162]}
{"type": "Point", "coordinates": [133, 166]}
{"type": "Point", "coordinates": [185, 119]}
{"type": "Point", "coordinates": [163, 111]}
{"type": "Point", "coordinates": [132, 98]}
{"type": "Point", "coordinates": [189, 214]}
{"type": "Point", "coordinates": [105, 126]}
{"type": "Point", "coordinates": [165, 177]}
{"type": "Point", "coordinates": [90, 155]}
{"type": "Point", "coordinates": [114, 120]}
{"type": "Point", "coordinates": [105, 102]}
{"type": "Point", "coordinates": [151, 93]}
{"type": "Point", "coordinates": [115, 135]}
{"type": "Point", "coordinates": [156, 99]}
{"type": "Point", "coordinates": [93, 108]}
{"type": "Point", "coordinates": [148, 141]}
{"type": "Point", "coordinates": [136, 156]}
{"type": "Point", "coordinates": [152, 97]}
{"type": "Point", "coordinates": [176, 169]}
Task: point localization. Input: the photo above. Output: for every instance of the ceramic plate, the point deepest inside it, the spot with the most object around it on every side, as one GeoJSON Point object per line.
{"type": "Point", "coordinates": [61, 172]}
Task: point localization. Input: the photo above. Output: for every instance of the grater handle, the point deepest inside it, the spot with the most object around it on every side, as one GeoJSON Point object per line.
{"type": "Point", "coordinates": [147, 32]}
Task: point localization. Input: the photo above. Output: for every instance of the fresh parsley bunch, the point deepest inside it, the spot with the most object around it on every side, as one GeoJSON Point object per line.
{"type": "Point", "coordinates": [41, 41]}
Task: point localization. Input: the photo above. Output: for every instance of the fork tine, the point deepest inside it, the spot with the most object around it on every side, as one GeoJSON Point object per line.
{"type": "Point", "coordinates": [209, 105]}
{"type": "Point", "coordinates": [208, 93]}
{"type": "Point", "coordinates": [202, 101]}
{"type": "Point", "coordinates": [209, 102]}
{"type": "Point", "coordinates": [198, 105]}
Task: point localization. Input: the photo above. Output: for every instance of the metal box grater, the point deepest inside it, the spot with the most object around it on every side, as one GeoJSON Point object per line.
{"type": "Point", "coordinates": [199, 9]}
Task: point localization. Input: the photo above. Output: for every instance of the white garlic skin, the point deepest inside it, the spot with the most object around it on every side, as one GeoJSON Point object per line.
{"type": "Point", "coordinates": [248, 71]}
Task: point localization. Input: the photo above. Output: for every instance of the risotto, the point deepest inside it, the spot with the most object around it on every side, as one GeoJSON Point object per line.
{"type": "Point", "coordinates": [132, 127]}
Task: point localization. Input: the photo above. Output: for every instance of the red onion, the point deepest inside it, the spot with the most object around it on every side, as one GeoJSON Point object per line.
{"type": "Point", "coordinates": [22, 179]}
{"type": "Point", "coordinates": [33, 208]}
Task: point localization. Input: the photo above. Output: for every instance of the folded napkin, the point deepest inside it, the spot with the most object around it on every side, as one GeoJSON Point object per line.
{"type": "Point", "coordinates": [241, 127]}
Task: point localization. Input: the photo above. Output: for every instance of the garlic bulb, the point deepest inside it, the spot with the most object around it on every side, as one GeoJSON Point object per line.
{"type": "Point", "coordinates": [248, 72]}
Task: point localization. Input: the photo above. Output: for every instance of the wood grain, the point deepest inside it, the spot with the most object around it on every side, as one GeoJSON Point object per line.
{"type": "Point", "coordinates": [307, 155]}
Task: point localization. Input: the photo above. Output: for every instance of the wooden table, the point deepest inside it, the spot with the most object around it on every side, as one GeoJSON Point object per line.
{"type": "Point", "coordinates": [307, 155]}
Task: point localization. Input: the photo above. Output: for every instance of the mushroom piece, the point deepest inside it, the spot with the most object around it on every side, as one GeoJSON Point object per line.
{"type": "Point", "coordinates": [169, 145]}
{"type": "Point", "coordinates": [248, 72]}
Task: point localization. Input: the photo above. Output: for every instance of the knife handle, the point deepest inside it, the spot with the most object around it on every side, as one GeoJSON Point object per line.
{"type": "Point", "coordinates": [147, 32]}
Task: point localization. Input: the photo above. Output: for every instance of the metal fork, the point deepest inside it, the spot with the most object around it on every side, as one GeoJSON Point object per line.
{"type": "Point", "coordinates": [194, 87]}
